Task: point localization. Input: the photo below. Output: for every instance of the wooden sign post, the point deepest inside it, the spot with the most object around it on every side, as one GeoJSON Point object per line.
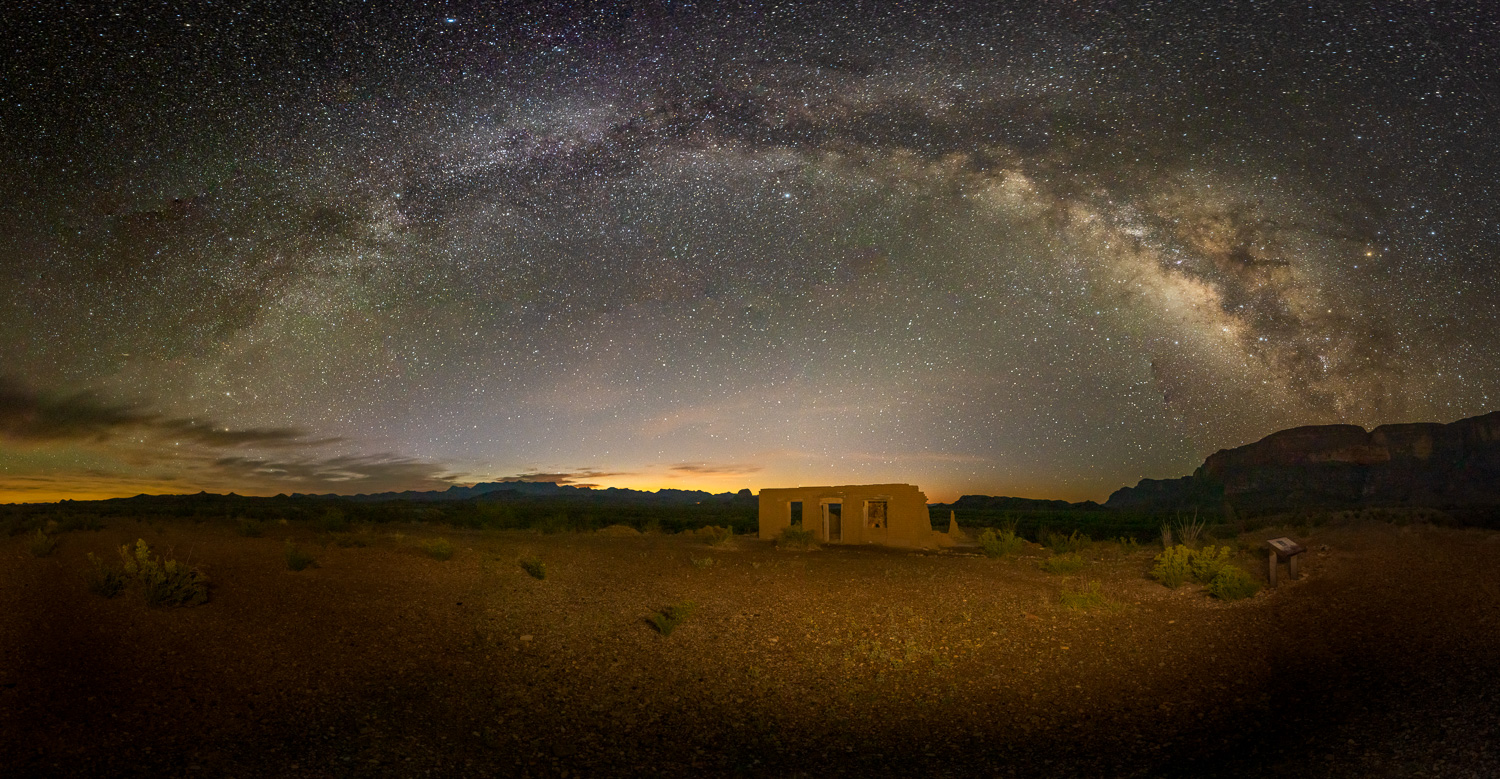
{"type": "Point", "coordinates": [1284, 549]}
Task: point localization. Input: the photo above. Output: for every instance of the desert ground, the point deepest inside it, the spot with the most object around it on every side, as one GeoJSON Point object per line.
{"type": "Point", "coordinates": [1382, 660]}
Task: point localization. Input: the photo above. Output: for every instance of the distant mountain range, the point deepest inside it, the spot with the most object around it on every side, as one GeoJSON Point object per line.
{"type": "Point", "coordinates": [515, 489]}
{"type": "Point", "coordinates": [1454, 467]}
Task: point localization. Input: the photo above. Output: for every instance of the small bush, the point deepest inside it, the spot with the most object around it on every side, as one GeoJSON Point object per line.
{"type": "Point", "coordinates": [42, 544]}
{"type": "Point", "coordinates": [250, 528]}
{"type": "Point", "coordinates": [164, 582]}
{"type": "Point", "coordinates": [104, 580]}
{"type": "Point", "coordinates": [333, 521]}
{"type": "Point", "coordinates": [298, 559]}
{"type": "Point", "coordinates": [1208, 561]}
{"type": "Point", "coordinates": [1063, 563]}
{"type": "Point", "coordinates": [796, 537]}
{"type": "Point", "coordinates": [81, 522]}
{"type": "Point", "coordinates": [1173, 566]}
{"type": "Point", "coordinates": [1128, 545]}
{"type": "Point", "coordinates": [717, 536]}
{"type": "Point", "coordinates": [667, 620]}
{"type": "Point", "coordinates": [999, 543]}
{"type": "Point", "coordinates": [436, 548]}
{"type": "Point", "coordinates": [702, 562]}
{"type": "Point", "coordinates": [1089, 596]}
{"type": "Point", "coordinates": [534, 566]}
{"type": "Point", "coordinates": [1233, 583]}
{"type": "Point", "coordinates": [1066, 544]}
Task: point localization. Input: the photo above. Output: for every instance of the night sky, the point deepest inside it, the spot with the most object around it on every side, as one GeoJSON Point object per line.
{"type": "Point", "coordinates": [1043, 250]}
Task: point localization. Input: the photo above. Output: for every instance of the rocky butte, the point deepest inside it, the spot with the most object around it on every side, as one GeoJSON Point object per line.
{"type": "Point", "coordinates": [1454, 467]}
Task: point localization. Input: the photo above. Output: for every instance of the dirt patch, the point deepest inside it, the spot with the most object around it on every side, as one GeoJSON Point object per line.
{"type": "Point", "coordinates": [1381, 661]}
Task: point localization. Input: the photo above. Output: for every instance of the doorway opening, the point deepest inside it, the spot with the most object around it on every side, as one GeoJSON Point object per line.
{"type": "Point", "coordinates": [833, 522]}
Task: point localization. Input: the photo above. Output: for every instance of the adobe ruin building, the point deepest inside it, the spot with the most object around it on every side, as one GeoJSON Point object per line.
{"type": "Point", "coordinates": [887, 514]}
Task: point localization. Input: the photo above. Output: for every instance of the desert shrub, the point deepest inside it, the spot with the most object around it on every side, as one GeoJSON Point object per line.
{"type": "Point", "coordinates": [999, 543]}
{"type": "Point", "coordinates": [74, 522]}
{"type": "Point", "coordinates": [1166, 536]}
{"type": "Point", "coordinates": [1208, 561]}
{"type": "Point", "coordinates": [1233, 583]}
{"type": "Point", "coordinates": [1128, 544]}
{"type": "Point", "coordinates": [534, 566]}
{"type": "Point", "coordinates": [1173, 566]}
{"type": "Point", "coordinates": [164, 582]}
{"type": "Point", "coordinates": [666, 620]}
{"type": "Point", "coordinates": [250, 528]}
{"type": "Point", "coordinates": [795, 537]}
{"type": "Point", "coordinates": [651, 526]}
{"type": "Point", "coordinates": [1089, 596]}
{"type": "Point", "coordinates": [104, 579]}
{"type": "Point", "coordinates": [702, 562]}
{"type": "Point", "coordinates": [1066, 544]}
{"type": "Point", "coordinates": [717, 536]}
{"type": "Point", "coordinates": [333, 521]}
{"type": "Point", "coordinates": [298, 559]}
{"type": "Point", "coordinates": [42, 543]}
{"type": "Point", "coordinates": [1063, 563]}
{"type": "Point", "coordinates": [436, 548]}
{"type": "Point", "coordinates": [346, 540]}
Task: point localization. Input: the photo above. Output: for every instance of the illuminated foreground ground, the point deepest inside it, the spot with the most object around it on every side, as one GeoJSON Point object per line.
{"type": "Point", "coordinates": [1383, 661]}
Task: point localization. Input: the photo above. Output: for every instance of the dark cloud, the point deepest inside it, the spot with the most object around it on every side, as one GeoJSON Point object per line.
{"type": "Point", "coordinates": [577, 478]}
{"type": "Point", "coordinates": [346, 474]}
{"type": "Point", "coordinates": [27, 416]}
{"type": "Point", "coordinates": [711, 469]}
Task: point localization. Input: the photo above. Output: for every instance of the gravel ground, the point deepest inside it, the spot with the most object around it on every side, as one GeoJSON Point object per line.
{"type": "Point", "coordinates": [1383, 660]}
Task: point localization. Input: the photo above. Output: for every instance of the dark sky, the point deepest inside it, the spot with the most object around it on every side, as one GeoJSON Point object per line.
{"type": "Point", "coordinates": [1037, 250]}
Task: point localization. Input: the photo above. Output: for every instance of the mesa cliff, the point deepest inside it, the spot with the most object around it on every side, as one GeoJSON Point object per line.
{"type": "Point", "coordinates": [1446, 466]}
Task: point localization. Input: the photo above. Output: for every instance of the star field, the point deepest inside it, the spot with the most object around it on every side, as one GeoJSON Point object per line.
{"type": "Point", "coordinates": [1042, 251]}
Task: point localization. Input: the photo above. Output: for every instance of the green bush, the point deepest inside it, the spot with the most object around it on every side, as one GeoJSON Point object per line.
{"type": "Point", "coordinates": [42, 544]}
{"type": "Point", "coordinates": [1089, 596]}
{"type": "Point", "coordinates": [717, 536]}
{"type": "Point", "coordinates": [667, 620]}
{"type": "Point", "coordinates": [999, 543]}
{"type": "Point", "coordinates": [250, 528]}
{"type": "Point", "coordinates": [164, 582]}
{"type": "Point", "coordinates": [702, 562]}
{"type": "Point", "coordinates": [103, 579]}
{"type": "Point", "coordinates": [534, 566]}
{"type": "Point", "coordinates": [1066, 544]}
{"type": "Point", "coordinates": [1064, 563]}
{"type": "Point", "coordinates": [1128, 545]}
{"type": "Point", "coordinates": [436, 548]}
{"type": "Point", "coordinates": [298, 559]}
{"type": "Point", "coordinates": [1233, 583]}
{"type": "Point", "coordinates": [1173, 566]}
{"type": "Point", "coordinates": [795, 537]}
{"type": "Point", "coordinates": [1208, 561]}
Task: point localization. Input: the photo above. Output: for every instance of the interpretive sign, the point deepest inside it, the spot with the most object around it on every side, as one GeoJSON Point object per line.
{"type": "Point", "coordinates": [1284, 549]}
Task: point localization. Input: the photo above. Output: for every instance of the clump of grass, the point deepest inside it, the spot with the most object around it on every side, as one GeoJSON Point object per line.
{"type": "Point", "coordinates": [1128, 545]}
{"type": "Point", "coordinates": [164, 581]}
{"type": "Point", "coordinates": [702, 562]}
{"type": "Point", "coordinates": [1173, 566]}
{"type": "Point", "coordinates": [999, 543]}
{"type": "Point", "coordinates": [1208, 561]}
{"type": "Point", "coordinates": [436, 548]}
{"type": "Point", "coordinates": [796, 537]}
{"type": "Point", "coordinates": [297, 558]}
{"type": "Point", "coordinates": [666, 620]}
{"type": "Point", "coordinates": [534, 566]}
{"type": "Point", "coordinates": [1063, 563]}
{"type": "Point", "coordinates": [1066, 544]}
{"type": "Point", "coordinates": [250, 528]}
{"type": "Point", "coordinates": [1089, 596]}
{"type": "Point", "coordinates": [1166, 536]}
{"type": "Point", "coordinates": [1188, 530]}
{"type": "Point", "coordinates": [1233, 583]}
{"type": "Point", "coordinates": [104, 579]}
{"type": "Point", "coordinates": [717, 536]}
{"type": "Point", "coordinates": [42, 543]}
